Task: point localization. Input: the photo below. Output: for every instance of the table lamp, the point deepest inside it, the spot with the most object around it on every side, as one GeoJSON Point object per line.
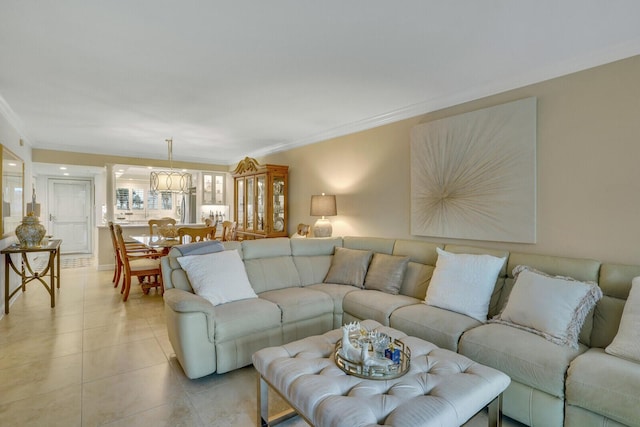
{"type": "Point", "coordinates": [323, 205]}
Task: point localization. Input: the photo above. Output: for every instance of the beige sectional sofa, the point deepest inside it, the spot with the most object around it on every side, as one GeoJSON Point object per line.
{"type": "Point", "coordinates": [552, 385]}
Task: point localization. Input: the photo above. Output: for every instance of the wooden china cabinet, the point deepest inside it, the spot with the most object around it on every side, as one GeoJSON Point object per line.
{"type": "Point", "coordinates": [260, 199]}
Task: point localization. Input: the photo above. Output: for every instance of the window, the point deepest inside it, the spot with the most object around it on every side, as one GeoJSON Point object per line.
{"type": "Point", "coordinates": [166, 200]}
{"type": "Point", "coordinates": [137, 199]}
{"type": "Point", "coordinates": [159, 200]}
{"type": "Point", "coordinates": [122, 198]}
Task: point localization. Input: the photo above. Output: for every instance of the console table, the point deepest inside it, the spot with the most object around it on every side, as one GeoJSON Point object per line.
{"type": "Point", "coordinates": [26, 271]}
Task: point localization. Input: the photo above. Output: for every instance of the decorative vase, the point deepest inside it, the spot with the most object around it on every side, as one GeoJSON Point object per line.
{"type": "Point", "coordinates": [30, 232]}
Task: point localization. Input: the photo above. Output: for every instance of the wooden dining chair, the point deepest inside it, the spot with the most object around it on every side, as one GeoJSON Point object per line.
{"type": "Point", "coordinates": [145, 266]}
{"type": "Point", "coordinates": [155, 224]}
{"type": "Point", "coordinates": [229, 231]}
{"type": "Point", "coordinates": [196, 234]}
{"type": "Point", "coordinates": [132, 246]}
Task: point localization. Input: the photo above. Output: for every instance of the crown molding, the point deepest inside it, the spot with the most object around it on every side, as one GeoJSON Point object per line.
{"type": "Point", "coordinates": [12, 118]}
{"type": "Point", "coordinates": [576, 64]}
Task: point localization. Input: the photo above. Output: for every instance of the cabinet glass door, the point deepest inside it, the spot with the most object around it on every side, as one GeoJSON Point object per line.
{"type": "Point", "coordinates": [218, 188]}
{"type": "Point", "coordinates": [250, 203]}
{"type": "Point", "coordinates": [278, 204]}
{"type": "Point", "coordinates": [213, 188]}
{"type": "Point", "coordinates": [261, 201]}
{"type": "Point", "coordinates": [240, 205]}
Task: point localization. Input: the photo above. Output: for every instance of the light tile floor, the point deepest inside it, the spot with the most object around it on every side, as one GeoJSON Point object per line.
{"type": "Point", "coordinates": [94, 360]}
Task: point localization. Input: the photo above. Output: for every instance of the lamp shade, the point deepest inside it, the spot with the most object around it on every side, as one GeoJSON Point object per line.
{"type": "Point", "coordinates": [176, 182]}
{"type": "Point", "coordinates": [322, 205]}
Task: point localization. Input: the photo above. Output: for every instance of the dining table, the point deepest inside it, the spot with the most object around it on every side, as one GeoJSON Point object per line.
{"type": "Point", "coordinates": [161, 244]}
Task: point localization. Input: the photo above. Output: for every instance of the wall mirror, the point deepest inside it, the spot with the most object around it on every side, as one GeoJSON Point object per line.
{"type": "Point", "coordinates": [12, 208]}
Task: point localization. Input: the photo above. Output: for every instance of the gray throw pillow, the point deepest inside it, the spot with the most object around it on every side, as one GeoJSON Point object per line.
{"type": "Point", "coordinates": [348, 267]}
{"type": "Point", "coordinates": [386, 273]}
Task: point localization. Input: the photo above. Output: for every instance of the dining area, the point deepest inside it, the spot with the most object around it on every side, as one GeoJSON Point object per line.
{"type": "Point", "coordinates": [136, 255]}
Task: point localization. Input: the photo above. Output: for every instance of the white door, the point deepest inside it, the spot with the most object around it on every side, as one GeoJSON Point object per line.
{"type": "Point", "coordinates": [69, 214]}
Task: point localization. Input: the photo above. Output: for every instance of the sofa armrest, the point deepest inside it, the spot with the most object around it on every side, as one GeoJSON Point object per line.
{"type": "Point", "coordinates": [185, 302]}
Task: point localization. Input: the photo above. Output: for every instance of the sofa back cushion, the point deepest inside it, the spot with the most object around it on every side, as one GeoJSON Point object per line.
{"type": "Point", "coordinates": [269, 264]}
{"type": "Point", "coordinates": [315, 247]}
{"type": "Point", "coordinates": [312, 258]}
{"type": "Point", "coordinates": [233, 245]}
{"type": "Point", "coordinates": [266, 248]}
{"type": "Point", "coordinates": [615, 282]}
{"type": "Point", "coordinates": [422, 261]}
{"type": "Point", "coordinates": [584, 270]}
{"type": "Point", "coordinates": [495, 302]}
{"type": "Point", "coordinates": [374, 244]}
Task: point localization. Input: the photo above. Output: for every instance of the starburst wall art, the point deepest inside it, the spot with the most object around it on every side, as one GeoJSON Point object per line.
{"type": "Point", "coordinates": [473, 176]}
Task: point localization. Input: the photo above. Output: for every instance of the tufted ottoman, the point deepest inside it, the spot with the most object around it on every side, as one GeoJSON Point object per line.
{"type": "Point", "coordinates": [442, 388]}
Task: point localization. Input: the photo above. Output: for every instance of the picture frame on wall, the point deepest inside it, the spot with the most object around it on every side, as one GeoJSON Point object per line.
{"type": "Point", "coordinates": [473, 175]}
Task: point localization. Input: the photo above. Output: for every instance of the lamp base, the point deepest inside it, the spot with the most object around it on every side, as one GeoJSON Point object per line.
{"type": "Point", "coordinates": [322, 228]}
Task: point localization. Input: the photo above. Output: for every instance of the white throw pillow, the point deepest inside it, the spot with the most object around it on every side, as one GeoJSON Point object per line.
{"type": "Point", "coordinates": [626, 344]}
{"type": "Point", "coordinates": [219, 277]}
{"type": "Point", "coordinates": [464, 283]}
{"type": "Point", "coordinates": [553, 307]}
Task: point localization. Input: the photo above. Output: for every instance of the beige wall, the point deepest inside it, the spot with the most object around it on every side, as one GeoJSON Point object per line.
{"type": "Point", "coordinates": [588, 168]}
{"type": "Point", "coordinates": [10, 138]}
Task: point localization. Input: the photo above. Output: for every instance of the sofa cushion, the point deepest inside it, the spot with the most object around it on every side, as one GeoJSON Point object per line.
{"type": "Point", "coordinates": [606, 385]}
{"type": "Point", "coordinates": [527, 358]}
{"type": "Point", "coordinates": [300, 303]}
{"type": "Point", "coordinates": [218, 277]}
{"type": "Point", "coordinates": [423, 257]}
{"type": "Point", "coordinates": [349, 267]}
{"type": "Point", "coordinates": [626, 343]}
{"type": "Point", "coordinates": [376, 244]}
{"type": "Point", "coordinates": [336, 292]}
{"type": "Point", "coordinates": [419, 251]}
{"type": "Point", "coordinates": [386, 273]}
{"type": "Point", "coordinates": [240, 318]}
{"type": "Point", "coordinates": [268, 274]}
{"type": "Point", "coordinates": [464, 283]}
{"type": "Point", "coordinates": [436, 325]}
{"type": "Point", "coordinates": [266, 248]}
{"type": "Point", "coordinates": [315, 247]}
{"type": "Point", "coordinates": [312, 269]}
{"type": "Point", "coordinates": [374, 305]}
{"type": "Point", "coordinates": [553, 307]}
{"type": "Point", "coordinates": [312, 258]}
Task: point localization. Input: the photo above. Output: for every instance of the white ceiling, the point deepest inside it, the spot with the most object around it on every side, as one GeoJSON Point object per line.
{"type": "Point", "coordinates": [228, 79]}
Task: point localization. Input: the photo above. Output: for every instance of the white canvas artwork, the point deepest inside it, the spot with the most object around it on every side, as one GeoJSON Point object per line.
{"type": "Point", "coordinates": [473, 176]}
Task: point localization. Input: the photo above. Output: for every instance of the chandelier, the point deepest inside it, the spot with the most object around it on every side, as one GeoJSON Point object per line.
{"type": "Point", "coordinates": [171, 181]}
